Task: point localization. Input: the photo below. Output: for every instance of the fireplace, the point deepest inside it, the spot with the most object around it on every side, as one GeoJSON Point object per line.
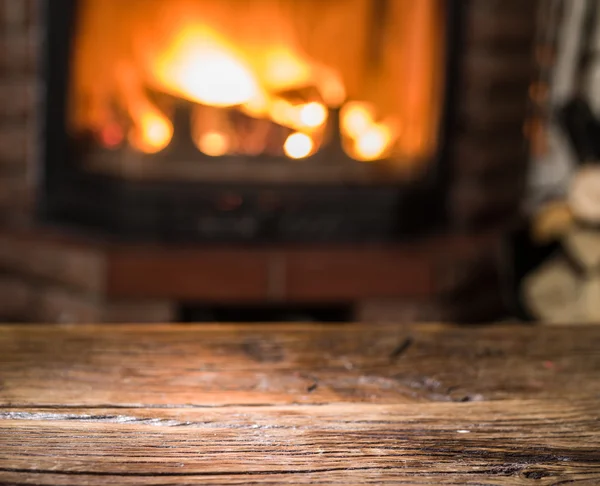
{"type": "Point", "coordinates": [266, 120]}
{"type": "Point", "coordinates": [379, 171]}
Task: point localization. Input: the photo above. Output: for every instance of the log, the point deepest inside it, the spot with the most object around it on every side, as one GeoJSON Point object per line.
{"type": "Point", "coordinates": [584, 194]}
{"type": "Point", "coordinates": [590, 293]}
{"type": "Point", "coordinates": [552, 221]}
{"type": "Point", "coordinates": [551, 292]}
{"type": "Point", "coordinates": [583, 245]}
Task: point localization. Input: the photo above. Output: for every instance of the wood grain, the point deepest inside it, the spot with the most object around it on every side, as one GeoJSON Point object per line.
{"type": "Point", "coordinates": [521, 442]}
{"type": "Point", "coordinates": [272, 404]}
{"type": "Point", "coordinates": [171, 365]}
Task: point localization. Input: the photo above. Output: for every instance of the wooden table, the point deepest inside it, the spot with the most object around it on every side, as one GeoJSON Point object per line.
{"type": "Point", "coordinates": [288, 403]}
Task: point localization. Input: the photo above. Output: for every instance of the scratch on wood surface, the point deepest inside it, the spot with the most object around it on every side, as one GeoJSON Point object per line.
{"type": "Point", "coordinates": [401, 348]}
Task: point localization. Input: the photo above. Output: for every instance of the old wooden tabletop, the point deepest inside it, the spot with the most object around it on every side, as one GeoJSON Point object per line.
{"type": "Point", "coordinates": [233, 404]}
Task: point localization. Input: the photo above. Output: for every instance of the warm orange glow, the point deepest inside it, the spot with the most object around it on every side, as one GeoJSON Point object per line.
{"type": "Point", "coordinates": [370, 140]}
{"type": "Point", "coordinates": [151, 132]}
{"type": "Point", "coordinates": [257, 106]}
{"type": "Point", "coordinates": [283, 113]}
{"type": "Point", "coordinates": [298, 146]}
{"type": "Point", "coordinates": [111, 135]}
{"type": "Point", "coordinates": [356, 118]}
{"type": "Point", "coordinates": [312, 115]}
{"type": "Point", "coordinates": [278, 61]}
{"type": "Point", "coordinates": [332, 88]}
{"type": "Point", "coordinates": [200, 67]}
{"type": "Point", "coordinates": [284, 68]}
{"type": "Point", "coordinates": [213, 144]}
{"type": "Point", "coordinates": [373, 143]}
{"type": "Point", "coordinates": [306, 116]}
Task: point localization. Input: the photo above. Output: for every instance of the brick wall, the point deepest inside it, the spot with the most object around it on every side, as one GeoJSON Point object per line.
{"type": "Point", "coordinates": [19, 83]}
{"type": "Point", "coordinates": [19, 34]}
{"type": "Point", "coordinates": [27, 295]}
{"type": "Point", "coordinates": [488, 152]}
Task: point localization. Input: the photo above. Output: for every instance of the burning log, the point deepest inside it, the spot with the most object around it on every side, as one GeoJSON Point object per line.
{"type": "Point", "coordinates": [283, 64]}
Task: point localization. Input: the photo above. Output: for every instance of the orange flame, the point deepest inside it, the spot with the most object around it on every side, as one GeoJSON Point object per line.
{"type": "Point", "coordinates": [213, 144]}
{"type": "Point", "coordinates": [370, 140]}
{"type": "Point", "coordinates": [284, 61]}
{"type": "Point", "coordinates": [200, 67]}
{"type": "Point", "coordinates": [151, 131]}
{"type": "Point", "coordinates": [374, 143]}
{"type": "Point", "coordinates": [298, 146]}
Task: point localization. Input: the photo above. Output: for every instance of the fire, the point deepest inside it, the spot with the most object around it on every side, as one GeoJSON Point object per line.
{"type": "Point", "coordinates": [306, 116]}
{"type": "Point", "coordinates": [111, 135]}
{"type": "Point", "coordinates": [312, 115]}
{"type": "Point", "coordinates": [298, 146]}
{"type": "Point", "coordinates": [213, 144]}
{"type": "Point", "coordinates": [374, 142]}
{"type": "Point", "coordinates": [283, 62]}
{"type": "Point", "coordinates": [371, 140]}
{"type": "Point", "coordinates": [151, 131]}
{"type": "Point", "coordinates": [200, 67]}
{"type": "Point", "coordinates": [356, 118]}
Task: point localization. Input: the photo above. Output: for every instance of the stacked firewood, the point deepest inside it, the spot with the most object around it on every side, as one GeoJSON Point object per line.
{"type": "Point", "coordinates": [566, 287]}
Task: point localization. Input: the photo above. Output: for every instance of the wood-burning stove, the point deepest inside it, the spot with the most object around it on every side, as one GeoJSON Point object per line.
{"type": "Point", "coordinates": [144, 141]}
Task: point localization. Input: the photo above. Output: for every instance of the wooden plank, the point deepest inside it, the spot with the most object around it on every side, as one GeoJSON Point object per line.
{"type": "Point", "coordinates": [196, 365]}
{"type": "Point", "coordinates": [516, 442]}
{"type": "Point", "coordinates": [235, 404]}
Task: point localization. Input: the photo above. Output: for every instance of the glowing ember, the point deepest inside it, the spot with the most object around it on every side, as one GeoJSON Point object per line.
{"type": "Point", "coordinates": [373, 143]}
{"type": "Point", "coordinates": [356, 118]}
{"type": "Point", "coordinates": [310, 115]}
{"type": "Point", "coordinates": [371, 140]}
{"type": "Point", "coordinates": [298, 146]}
{"type": "Point", "coordinates": [152, 131]}
{"type": "Point", "coordinates": [213, 144]}
{"type": "Point", "coordinates": [313, 115]}
{"type": "Point", "coordinates": [111, 135]}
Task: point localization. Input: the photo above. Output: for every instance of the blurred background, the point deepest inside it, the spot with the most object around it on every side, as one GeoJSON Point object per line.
{"type": "Point", "coordinates": [299, 160]}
